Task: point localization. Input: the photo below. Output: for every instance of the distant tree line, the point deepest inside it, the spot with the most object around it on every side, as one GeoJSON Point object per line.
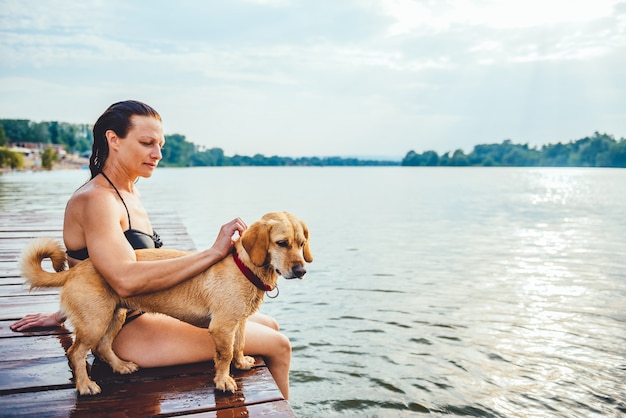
{"type": "Point", "coordinates": [599, 150]}
{"type": "Point", "coordinates": [178, 152]}
{"type": "Point", "coordinates": [76, 138]}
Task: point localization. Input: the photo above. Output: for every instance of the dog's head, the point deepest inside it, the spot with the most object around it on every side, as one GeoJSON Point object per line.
{"type": "Point", "coordinates": [281, 240]}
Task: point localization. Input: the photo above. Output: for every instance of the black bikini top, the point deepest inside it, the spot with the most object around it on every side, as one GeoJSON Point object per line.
{"type": "Point", "coordinates": [137, 239]}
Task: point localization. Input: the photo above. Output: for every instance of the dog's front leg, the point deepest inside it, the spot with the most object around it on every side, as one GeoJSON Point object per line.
{"type": "Point", "coordinates": [241, 361]}
{"type": "Point", "coordinates": [223, 336]}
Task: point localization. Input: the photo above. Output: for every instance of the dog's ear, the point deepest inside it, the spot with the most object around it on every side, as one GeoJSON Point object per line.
{"type": "Point", "coordinates": [308, 257]}
{"type": "Point", "coordinates": [256, 242]}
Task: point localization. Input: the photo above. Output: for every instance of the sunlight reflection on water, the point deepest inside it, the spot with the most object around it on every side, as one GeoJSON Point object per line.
{"type": "Point", "coordinates": [469, 291]}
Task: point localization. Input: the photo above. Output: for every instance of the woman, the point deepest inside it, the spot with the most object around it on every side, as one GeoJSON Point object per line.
{"type": "Point", "coordinates": [105, 221]}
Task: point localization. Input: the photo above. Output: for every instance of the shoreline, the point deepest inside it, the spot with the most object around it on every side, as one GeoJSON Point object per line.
{"type": "Point", "coordinates": [67, 162]}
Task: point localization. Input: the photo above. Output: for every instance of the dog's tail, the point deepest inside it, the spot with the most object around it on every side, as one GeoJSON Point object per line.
{"type": "Point", "coordinates": [30, 263]}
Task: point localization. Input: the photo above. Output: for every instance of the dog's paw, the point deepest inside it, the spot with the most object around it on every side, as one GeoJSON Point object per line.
{"type": "Point", "coordinates": [88, 388]}
{"type": "Point", "coordinates": [225, 384]}
{"type": "Point", "coordinates": [125, 367]}
{"type": "Point", "coordinates": [245, 363]}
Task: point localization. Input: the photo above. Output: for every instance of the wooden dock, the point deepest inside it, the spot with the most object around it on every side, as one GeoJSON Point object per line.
{"type": "Point", "coordinates": [35, 377]}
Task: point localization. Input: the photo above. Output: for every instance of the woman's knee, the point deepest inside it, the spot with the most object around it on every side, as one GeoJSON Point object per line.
{"type": "Point", "coordinates": [266, 341]}
{"type": "Point", "coordinates": [284, 345]}
{"type": "Point", "coordinates": [279, 353]}
{"type": "Point", "coordinates": [266, 320]}
{"type": "Point", "coordinates": [272, 323]}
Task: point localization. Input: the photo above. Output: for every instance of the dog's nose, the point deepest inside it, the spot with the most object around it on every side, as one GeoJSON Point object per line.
{"type": "Point", "coordinates": [298, 271]}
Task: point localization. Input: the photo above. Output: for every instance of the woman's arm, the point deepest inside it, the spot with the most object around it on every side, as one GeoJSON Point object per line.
{"type": "Point", "coordinates": [115, 259]}
{"type": "Point", "coordinates": [40, 320]}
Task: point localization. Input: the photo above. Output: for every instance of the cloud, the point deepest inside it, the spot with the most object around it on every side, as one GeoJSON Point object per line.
{"type": "Point", "coordinates": [512, 31]}
{"type": "Point", "coordinates": [410, 15]}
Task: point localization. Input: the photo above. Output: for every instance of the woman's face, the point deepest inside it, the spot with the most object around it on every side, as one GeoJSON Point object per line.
{"type": "Point", "coordinates": [141, 149]}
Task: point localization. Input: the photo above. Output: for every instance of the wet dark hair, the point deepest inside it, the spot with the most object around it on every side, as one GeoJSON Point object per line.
{"type": "Point", "coordinates": [115, 118]}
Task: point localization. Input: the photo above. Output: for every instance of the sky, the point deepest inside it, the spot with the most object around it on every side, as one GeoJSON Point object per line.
{"type": "Point", "coordinates": [365, 78]}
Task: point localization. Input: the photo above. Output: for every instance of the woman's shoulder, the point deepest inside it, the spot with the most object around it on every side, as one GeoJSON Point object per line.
{"type": "Point", "coordinates": [90, 210]}
{"type": "Point", "coordinates": [91, 195]}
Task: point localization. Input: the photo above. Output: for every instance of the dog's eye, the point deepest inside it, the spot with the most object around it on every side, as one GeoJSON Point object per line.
{"type": "Point", "coordinates": [283, 243]}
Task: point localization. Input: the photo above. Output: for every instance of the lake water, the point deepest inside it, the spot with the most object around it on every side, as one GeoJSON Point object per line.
{"type": "Point", "coordinates": [497, 292]}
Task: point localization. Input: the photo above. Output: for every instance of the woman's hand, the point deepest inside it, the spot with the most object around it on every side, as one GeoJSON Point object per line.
{"type": "Point", "coordinates": [226, 237]}
{"type": "Point", "coordinates": [39, 320]}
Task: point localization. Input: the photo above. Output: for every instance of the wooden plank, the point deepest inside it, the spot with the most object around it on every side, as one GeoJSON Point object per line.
{"type": "Point", "coordinates": [10, 269]}
{"type": "Point", "coordinates": [11, 280]}
{"type": "Point", "coordinates": [187, 396]}
{"type": "Point", "coordinates": [23, 290]}
{"type": "Point", "coordinates": [166, 390]}
{"type": "Point", "coordinates": [28, 375]}
{"type": "Point", "coordinates": [24, 347]}
{"type": "Point", "coordinates": [268, 409]}
{"type": "Point", "coordinates": [179, 390]}
{"type": "Point", "coordinates": [15, 232]}
{"type": "Point", "coordinates": [18, 306]}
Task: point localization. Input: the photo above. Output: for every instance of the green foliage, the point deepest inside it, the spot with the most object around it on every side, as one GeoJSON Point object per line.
{"type": "Point", "coordinates": [11, 159]}
{"type": "Point", "coordinates": [4, 140]}
{"type": "Point", "coordinates": [16, 130]}
{"type": "Point", "coordinates": [48, 157]}
{"type": "Point", "coordinates": [75, 138]}
{"type": "Point", "coordinates": [211, 157]}
{"type": "Point", "coordinates": [599, 150]}
{"type": "Point", "coordinates": [459, 158]}
{"type": "Point", "coordinates": [261, 160]}
{"type": "Point", "coordinates": [177, 152]}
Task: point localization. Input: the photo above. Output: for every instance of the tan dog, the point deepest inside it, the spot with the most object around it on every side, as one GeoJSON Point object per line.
{"type": "Point", "coordinates": [221, 298]}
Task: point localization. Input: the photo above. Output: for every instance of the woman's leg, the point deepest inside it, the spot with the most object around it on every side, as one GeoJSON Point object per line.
{"type": "Point", "coordinates": [263, 319]}
{"type": "Point", "coordinates": [155, 340]}
{"type": "Point", "coordinates": [262, 339]}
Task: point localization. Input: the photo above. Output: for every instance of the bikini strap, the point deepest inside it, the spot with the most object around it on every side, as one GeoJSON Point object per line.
{"type": "Point", "coordinates": [118, 193]}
